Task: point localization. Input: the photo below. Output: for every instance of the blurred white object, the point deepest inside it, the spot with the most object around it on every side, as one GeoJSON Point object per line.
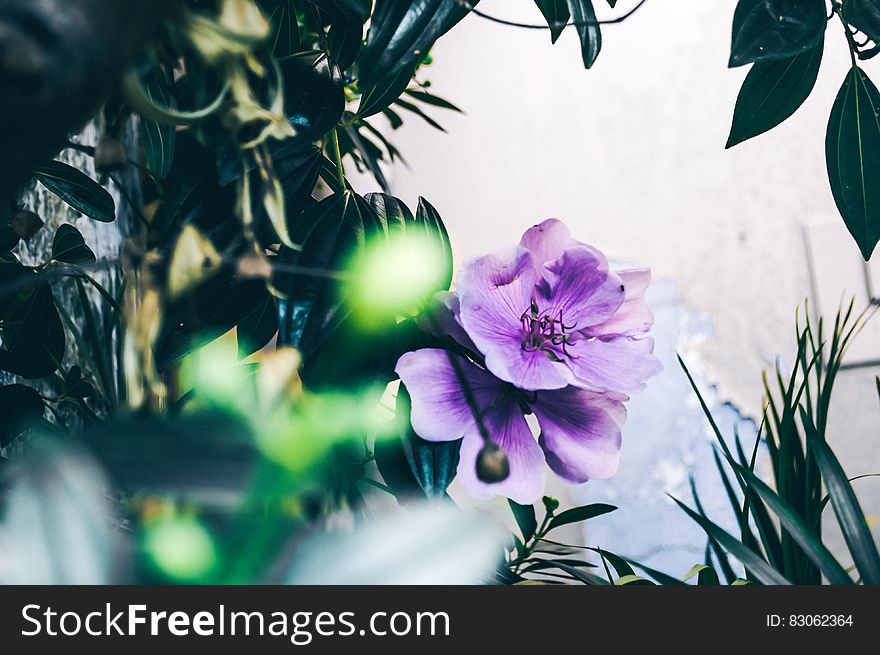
{"type": "Point", "coordinates": [436, 543]}
{"type": "Point", "coordinates": [58, 524]}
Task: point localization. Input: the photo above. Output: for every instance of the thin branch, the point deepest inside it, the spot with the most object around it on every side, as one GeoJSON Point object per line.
{"type": "Point", "coordinates": [551, 25]}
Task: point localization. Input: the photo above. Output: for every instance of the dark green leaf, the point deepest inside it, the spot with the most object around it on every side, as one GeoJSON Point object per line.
{"type": "Point", "coordinates": [846, 506]}
{"type": "Point", "coordinates": [864, 15]}
{"type": "Point", "coordinates": [809, 542]}
{"type": "Point", "coordinates": [8, 238]}
{"type": "Point", "coordinates": [158, 139]}
{"type": "Point", "coordinates": [353, 11]}
{"type": "Point", "coordinates": [659, 576]}
{"type": "Point", "coordinates": [706, 575]}
{"type": "Point", "coordinates": [394, 216]}
{"type": "Point", "coordinates": [773, 91]}
{"type": "Point", "coordinates": [418, 112]}
{"type": "Point", "coordinates": [33, 337]}
{"type": "Point", "coordinates": [402, 33]}
{"type": "Point", "coordinates": [20, 406]}
{"type": "Point", "coordinates": [344, 42]}
{"type": "Point", "coordinates": [557, 15]}
{"type": "Point", "coordinates": [284, 36]}
{"type": "Point", "coordinates": [379, 95]}
{"type": "Point", "coordinates": [581, 576]}
{"type": "Point", "coordinates": [429, 219]}
{"type": "Point", "coordinates": [764, 30]}
{"type": "Point", "coordinates": [525, 518]}
{"type": "Point", "coordinates": [70, 247]}
{"type": "Point", "coordinates": [313, 100]}
{"type": "Point", "coordinates": [578, 514]}
{"type": "Point", "coordinates": [852, 154]}
{"type": "Point", "coordinates": [754, 563]}
{"type": "Point", "coordinates": [78, 190]}
{"type": "Point", "coordinates": [75, 386]}
{"type": "Point", "coordinates": [584, 17]}
{"type": "Point", "coordinates": [258, 327]}
{"type": "Point", "coordinates": [431, 99]}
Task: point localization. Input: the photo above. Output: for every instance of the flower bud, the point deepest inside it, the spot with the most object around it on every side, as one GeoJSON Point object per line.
{"type": "Point", "coordinates": [550, 504]}
{"type": "Point", "coordinates": [25, 223]}
{"type": "Point", "coordinates": [110, 155]}
{"type": "Point", "coordinates": [492, 464]}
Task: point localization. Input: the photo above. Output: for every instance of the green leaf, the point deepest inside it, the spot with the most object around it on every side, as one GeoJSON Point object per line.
{"type": "Point", "coordinates": [257, 328]}
{"type": "Point", "coordinates": [415, 109]}
{"type": "Point", "coordinates": [852, 154]}
{"type": "Point", "coordinates": [864, 15]}
{"type": "Point", "coordinates": [557, 15]}
{"type": "Point", "coordinates": [809, 542]}
{"type": "Point", "coordinates": [706, 575]}
{"type": "Point", "coordinates": [764, 30]}
{"type": "Point", "coordinates": [846, 506]}
{"type": "Point", "coordinates": [773, 91]}
{"type": "Point", "coordinates": [284, 36]}
{"type": "Point", "coordinates": [431, 99]}
{"type": "Point", "coordinates": [578, 514]}
{"type": "Point", "coordinates": [70, 247]}
{"type": "Point", "coordinates": [78, 190]}
{"type": "Point", "coordinates": [402, 33]}
{"type": "Point", "coordinates": [8, 238]}
{"type": "Point", "coordinates": [378, 96]}
{"type": "Point", "coordinates": [581, 576]}
{"type": "Point", "coordinates": [344, 42]}
{"type": "Point", "coordinates": [20, 406]}
{"type": "Point", "coordinates": [429, 219]}
{"type": "Point", "coordinates": [756, 564]}
{"type": "Point", "coordinates": [158, 139]}
{"type": "Point", "coordinates": [33, 336]}
{"type": "Point", "coordinates": [584, 17]}
{"type": "Point", "coordinates": [525, 518]}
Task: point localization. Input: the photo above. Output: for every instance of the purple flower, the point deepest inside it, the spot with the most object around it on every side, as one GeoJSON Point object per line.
{"type": "Point", "coordinates": [550, 313]}
{"type": "Point", "coordinates": [580, 430]}
{"type": "Point", "coordinates": [548, 330]}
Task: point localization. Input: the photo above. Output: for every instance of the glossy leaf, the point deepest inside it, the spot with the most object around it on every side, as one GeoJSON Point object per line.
{"type": "Point", "coordinates": [578, 514]}
{"type": "Point", "coordinates": [344, 41]}
{"type": "Point", "coordinates": [378, 96]}
{"type": "Point", "coordinates": [20, 407]}
{"type": "Point", "coordinates": [78, 190]}
{"type": "Point", "coordinates": [852, 153]}
{"type": "Point", "coordinates": [402, 33]}
{"type": "Point", "coordinates": [284, 37]}
{"type": "Point", "coordinates": [431, 99]}
{"type": "Point", "coordinates": [846, 506]}
{"type": "Point", "coordinates": [429, 219]}
{"type": "Point", "coordinates": [864, 15]}
{"type": "Point", "coordinates": [765, 30]}
{"type": "Point", "coordinates": [525, 519]}
{"type": "Point", "coordinates": [773, 91]}
{"type": "Point", "coordinates": [557, 15]}
{"type": "Point", "coordinates": [313, 100]}
{"type": "Point", "coordinates": [584, 16]}
{"type": "Point", "coordinates": [158, 139]}
{"type": "Point", "coordinates": [70, 247]}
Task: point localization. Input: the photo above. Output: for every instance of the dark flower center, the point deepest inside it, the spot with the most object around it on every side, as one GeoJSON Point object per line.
{"type": "Point", "coordinates": [546, 331]}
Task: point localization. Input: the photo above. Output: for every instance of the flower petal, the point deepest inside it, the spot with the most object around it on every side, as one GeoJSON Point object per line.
{"type": "Point", "coordinates": [439, 410]}
{"type": "Point", "coordinates": [633, 317]}
{"type": "Point", "coordinates": [509, 430]}
{"type": "Point", "coordinates": [577, 291]}
{"type": "Point", "coordinates": [494, 292]}
{"type": "Point", "coordinates": [580, 433]}
{"type": "Point", "coordinates": [549, 239]}
{"type": "Point", "coordinates": [621, 364]}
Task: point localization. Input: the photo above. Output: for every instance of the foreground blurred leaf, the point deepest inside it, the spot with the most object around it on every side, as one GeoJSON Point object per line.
{"type": "Point", "coordinates": [33, 336]}
{"type": "Point", "coordinates": [158, 138]}
{"type": "Point", "coordinates": [764, 30]}
{"type": "Point", "coordinates": [852, 153]}
{"type": "Point", "coordinates": [772, 92]}
{"type": "Point", "coordinates": [78, 190]}
{"type": "Point", "coordinates": [59, 523]}
{"type": "Point", "coordinates": [435, 543]}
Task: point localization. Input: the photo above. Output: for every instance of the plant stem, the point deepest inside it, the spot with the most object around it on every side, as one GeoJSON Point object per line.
{"type": "Point", "coordinates": [335, 156]}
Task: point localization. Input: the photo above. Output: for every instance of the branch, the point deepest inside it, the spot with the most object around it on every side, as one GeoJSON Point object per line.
{"type": "Point", "coordinates": [553, 25]}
